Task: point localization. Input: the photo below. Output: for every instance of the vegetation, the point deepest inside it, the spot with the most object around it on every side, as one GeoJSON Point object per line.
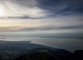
{"type": "Point", "coordinates": [38, 56]}
{"type": "Point", "coordinates": [24, 50]}
{"type": "Point", "coordinates": [10, 50]}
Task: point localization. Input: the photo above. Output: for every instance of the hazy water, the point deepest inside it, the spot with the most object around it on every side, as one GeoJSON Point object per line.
{"type": "Point", "coordinates": [68, 41]}
{"type": "Point", "coordinates": [65, 43]}
{"type": "Point", "coordinates": [70, 44]}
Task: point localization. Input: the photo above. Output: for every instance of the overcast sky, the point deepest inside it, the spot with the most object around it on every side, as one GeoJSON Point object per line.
{"type": "Point", "coordinates": [24, 15]}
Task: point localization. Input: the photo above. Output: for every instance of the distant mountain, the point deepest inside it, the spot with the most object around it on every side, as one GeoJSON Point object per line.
{"type": "Point", "coordinates": [37, 56]}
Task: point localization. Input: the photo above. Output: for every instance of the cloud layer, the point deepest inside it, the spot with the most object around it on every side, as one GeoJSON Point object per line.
{"type": "Point", "coordinates": [41, 24]}
{"type": "Point", "coordinates": [26, 7]}
{"type": "Point", "coordinates": [41, 15]}
{"type": "Point", "coordinates": [41, 8]}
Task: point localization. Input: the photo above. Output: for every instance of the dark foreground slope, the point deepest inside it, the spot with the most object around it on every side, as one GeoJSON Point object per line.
{"type": "Point", "coordinates": [0, 57]}
{"type": "Point", "coordinates": [46, 55]}
{"type": "Point", "coordinates": [37, 56]}
{"type": "Point", "coordinates": [59, 53]}
{"type": "Point", "coordinates": [12, 50]}
{"type": "Point", "coordinates": [77, 55]}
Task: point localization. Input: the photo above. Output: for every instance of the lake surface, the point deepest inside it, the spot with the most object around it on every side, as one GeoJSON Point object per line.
{"type": "Point", "coordinates": [70, 44]}
{"type": "Point", "coordinates": [64, 40]}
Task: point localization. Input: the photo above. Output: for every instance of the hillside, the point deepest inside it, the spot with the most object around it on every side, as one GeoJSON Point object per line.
{"type": "Point", "coordinates": [12, 50]}
{"type": "Point", "coordinates": [46, 55]}
{"type": "Point", "coordinates": [37, 56]}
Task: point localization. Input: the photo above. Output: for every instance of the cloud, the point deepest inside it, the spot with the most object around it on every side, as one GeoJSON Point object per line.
{"type": "Point", "coordinates": [2, 38]}
{"type": "Point", "coordinates": [63, 7]}
{"type": "Point", "coordinates": [45, 8]}
{"type": "Point", "coordinates": [41, 24]}
{"type": "Point", "coordinates": [20, 17]}
{"type": "Point", "coordinates": [26, 7]}
{"type": "Point", "coordinates": [42, 15]}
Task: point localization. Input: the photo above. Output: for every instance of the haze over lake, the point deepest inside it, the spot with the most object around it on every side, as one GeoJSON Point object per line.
{"type": "Point", "coordinates": [69, 41]}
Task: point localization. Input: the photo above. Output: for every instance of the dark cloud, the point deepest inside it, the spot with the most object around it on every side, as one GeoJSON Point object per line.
{"type": "Point", "coordinates": [51, 28]}
{"type": "Point", "coordinates": [72, 27]}
{"type": "Point", "coordinates": [62, 6]}
{"type": "Point", "coordinates": [19, 17]}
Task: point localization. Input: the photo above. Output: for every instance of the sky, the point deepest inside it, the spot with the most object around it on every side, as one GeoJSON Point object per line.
{"type": "Point", "coordinates": [25, 15]}
{"type": "Point", "coordinates": [43, 20]}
